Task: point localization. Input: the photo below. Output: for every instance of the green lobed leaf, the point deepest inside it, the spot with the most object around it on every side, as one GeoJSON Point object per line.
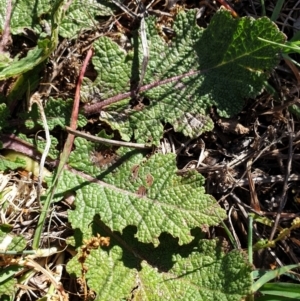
{"type": "Point", "coordinates": [137, 191]}
{"type": "Point", "coordinates": [221, 66]}
{"type": "Point", "coordinates": [8, 287]}
{"type": "Point", "coordinates": [13, 242]}
{"type": "Point", "coordinates": [111, 63]}
{"type": "Point", "coordinates": [40, 145]}
{"type": "Point", "coordinates": [81, 15]}
{"type": "Point", "coordinates": [45, 46]}
{"type": "Point", "coordinates": [58, 113]}
{"type": "Point", "coordinates": [17, 67]}
{"type": "Point", "coordinates": [5, 60]}
{"type": "Point", "coordinates": [9, 242]}
{"type": "Point", "coordinates": [23, 85]}
{"type": "Point", "coordinates": [28, 163]}
{"type": "Point", "coordinates": [5, 274]}
{"type": "Point", "coordinates": [25, 14]}
{"type": "Point", "coordinates": [198, 271]}
{"type": "Point", "coordinates": [11, 165]}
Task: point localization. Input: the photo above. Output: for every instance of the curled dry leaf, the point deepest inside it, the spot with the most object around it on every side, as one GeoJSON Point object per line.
{"type": "Point", "coordinates": [232, 126]}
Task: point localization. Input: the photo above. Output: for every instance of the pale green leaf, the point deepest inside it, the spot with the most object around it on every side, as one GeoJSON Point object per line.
{"type": "Point", "coordinates": [31, 165]}
{"type": "Point", "coordinates": [6, 164]}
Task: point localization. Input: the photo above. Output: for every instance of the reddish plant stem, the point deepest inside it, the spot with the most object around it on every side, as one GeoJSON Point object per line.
{"type": "Point", "coordinates": [68, 145]}
{"type": "Point", "coordinates": [95, 108]}
{"type": "Point", "coordinates": [14, 143]}
{"type": "Point", "coordinates": [75, 111]}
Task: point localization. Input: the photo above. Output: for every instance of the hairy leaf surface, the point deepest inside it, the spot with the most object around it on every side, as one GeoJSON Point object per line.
{"type": "Point", "coordinates": [133, 190]}
{"type": "Point", "coordinates": [200, 270]}
{"type": "Point", "coordinates": [221, 66]}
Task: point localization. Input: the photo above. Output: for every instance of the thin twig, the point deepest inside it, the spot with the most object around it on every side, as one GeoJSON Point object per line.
{"type": "Point", "coordinates": [285, 184]}
{"type": "Point", "coordinates": [236, 238]}
{"type": "Point", "coordinates": [125, 9]}
{"type": "Point", "coordinates": [253, 200]}
{"type": "Point", "coordinates": [290, 14]}
{"type": "Point", "coordinates": [108, 141]}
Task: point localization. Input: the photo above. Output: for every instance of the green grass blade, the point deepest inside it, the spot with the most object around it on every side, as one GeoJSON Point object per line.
{"type": "Point", "coordinates": [272, 275]}
{"type": "Point", "coordinates": [263, 8]}
{"type": "Point", "coordinates": [289, 290]}
{"type": "Point", "coordinates": [274, 298]}
{"type": "Point", "coordinates": [277, 10]}
{"type": "Point", "coordinates": [286, 56]}
{"type": "Point", "coordinates": [230, 236]}
{"type": "Point", "coordinates": [289, 47]}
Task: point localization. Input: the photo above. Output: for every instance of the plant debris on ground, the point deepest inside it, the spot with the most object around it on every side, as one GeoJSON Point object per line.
{"type": "Point", "coordinates": [149, 150]}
